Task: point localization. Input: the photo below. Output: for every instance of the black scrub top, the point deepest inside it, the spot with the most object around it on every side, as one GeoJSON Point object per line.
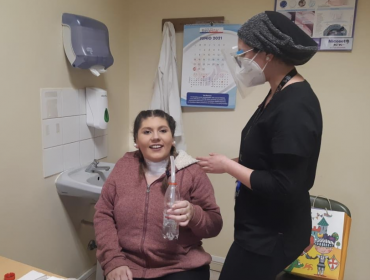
{"type": "Point", "coordinates": [281, 143]}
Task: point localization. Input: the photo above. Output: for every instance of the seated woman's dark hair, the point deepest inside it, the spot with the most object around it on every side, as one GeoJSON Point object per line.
{"type": "Point", "coordinates": [153, 113]}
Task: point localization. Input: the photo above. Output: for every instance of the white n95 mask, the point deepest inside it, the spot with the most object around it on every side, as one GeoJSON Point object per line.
{"type": "Point", "coordinates": [245, 72]}
{"type": "Point", "coordinates": [248, 72]}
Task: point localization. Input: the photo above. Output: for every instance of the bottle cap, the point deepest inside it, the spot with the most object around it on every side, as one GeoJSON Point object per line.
{"type": "Point", "coordinates": [9, 276]}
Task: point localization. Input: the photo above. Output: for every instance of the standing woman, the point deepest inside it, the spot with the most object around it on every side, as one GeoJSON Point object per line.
{"type": "Point", "coordinates": [279, 150]}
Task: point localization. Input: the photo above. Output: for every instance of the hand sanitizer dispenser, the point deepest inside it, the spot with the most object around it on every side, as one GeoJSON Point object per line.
{"type": "Point", "coordinates": [86, 43]}
{"type": "Point", "coordinates": [97, 114]}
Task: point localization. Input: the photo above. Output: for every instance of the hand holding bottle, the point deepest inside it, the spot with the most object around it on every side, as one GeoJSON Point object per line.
{"type": "Point", "coordinates": [182, 212]}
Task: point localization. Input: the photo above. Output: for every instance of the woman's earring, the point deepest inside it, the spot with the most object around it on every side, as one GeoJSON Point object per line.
{"type": "Point", "coordinates": [135, 145]}
{"type": "Point", "coordinates": [174, 143]}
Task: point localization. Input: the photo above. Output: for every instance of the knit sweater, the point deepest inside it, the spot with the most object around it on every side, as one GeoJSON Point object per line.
{"type": "Point", "coordinates": [129, 218]}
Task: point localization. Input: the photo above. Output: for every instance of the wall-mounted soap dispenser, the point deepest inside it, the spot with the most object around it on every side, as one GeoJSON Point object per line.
{"type": "Point", "coordinates": [86, 43]}
{"type": "Point", "coordinates": [97, 114]}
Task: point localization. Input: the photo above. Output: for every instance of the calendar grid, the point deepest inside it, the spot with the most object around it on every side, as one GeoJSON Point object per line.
{"type": "Point", "coordinates": [205, 72]}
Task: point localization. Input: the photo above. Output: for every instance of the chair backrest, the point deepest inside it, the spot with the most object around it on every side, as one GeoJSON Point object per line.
{"type": "Point", "coordinates": [323, 203]}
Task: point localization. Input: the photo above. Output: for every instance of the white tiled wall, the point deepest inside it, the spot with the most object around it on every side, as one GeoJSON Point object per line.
{"type": "Point", "coordinates": [71, 129]}
{"type": "Point", "coordinates": [87, 151]}
{"type": "Point", "coordinates": [66, 139]}
{"type": "Point", "coordinates": [101, 146]}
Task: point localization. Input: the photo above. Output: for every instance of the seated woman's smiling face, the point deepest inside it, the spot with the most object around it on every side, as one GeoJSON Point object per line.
{"type": "Point", "coordinates": [154, 139]}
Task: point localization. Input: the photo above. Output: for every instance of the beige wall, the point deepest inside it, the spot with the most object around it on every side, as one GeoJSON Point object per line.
{"type": "Point", "coordinates": [37, 226]}
{"type": "Point", "coordinates": [339, 79]}
{"type": "Point", "coordinates": [42, 229]}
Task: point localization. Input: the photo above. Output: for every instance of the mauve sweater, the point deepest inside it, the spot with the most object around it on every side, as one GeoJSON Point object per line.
{"type": "Point", "coordinates": [129, 218]}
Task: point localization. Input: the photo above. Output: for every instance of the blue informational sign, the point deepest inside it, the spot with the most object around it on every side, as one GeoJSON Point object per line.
{"type": "Point", "coordinates": [206, 79]}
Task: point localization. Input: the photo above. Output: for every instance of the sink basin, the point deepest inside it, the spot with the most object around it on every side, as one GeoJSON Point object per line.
{"type": "Point", "coordinates": [78, 182]}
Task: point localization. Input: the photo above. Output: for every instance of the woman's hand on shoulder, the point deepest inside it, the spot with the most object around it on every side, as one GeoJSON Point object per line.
{"type": "Point", "coordinates": [215, 163]}
{"type": "Point", "coordinates": [120, 273]}
{"type": "Point", "coordinates": [182, 212]}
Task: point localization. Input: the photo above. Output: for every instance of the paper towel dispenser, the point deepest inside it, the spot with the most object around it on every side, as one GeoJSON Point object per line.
{"type": "Point", "coordinates": [86, 43]}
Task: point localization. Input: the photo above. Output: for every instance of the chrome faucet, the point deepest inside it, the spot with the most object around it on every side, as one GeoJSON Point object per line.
{"type": "Point", "coordinates": [93, 167]}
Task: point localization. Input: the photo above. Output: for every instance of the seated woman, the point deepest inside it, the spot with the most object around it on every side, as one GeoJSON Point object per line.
{"type": "Point", "coordinates": [129, 214]}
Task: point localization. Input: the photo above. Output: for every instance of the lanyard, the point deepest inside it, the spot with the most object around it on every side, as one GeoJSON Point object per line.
{"type": "Point", "coordinates": [237, 190]}
{"type": "Point", "coordinates": [286, 79]}
{"type": "Point", "coordinates": [283, 82]}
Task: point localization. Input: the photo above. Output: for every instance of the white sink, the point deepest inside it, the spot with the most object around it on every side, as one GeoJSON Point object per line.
{"type": "Point", "coordinates": [78, 182]}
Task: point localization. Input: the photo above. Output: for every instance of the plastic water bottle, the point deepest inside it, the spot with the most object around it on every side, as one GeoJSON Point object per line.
{"type": "Point", "coordinates": [170, 229]}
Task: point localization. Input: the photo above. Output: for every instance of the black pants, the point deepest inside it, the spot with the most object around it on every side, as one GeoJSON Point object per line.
{"type": "Point", "coordinates": [200, 273]}
{"type": "Point", "coordinates": [241, 264]}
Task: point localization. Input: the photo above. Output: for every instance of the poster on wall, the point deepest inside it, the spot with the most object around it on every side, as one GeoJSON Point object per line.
{"type": "Point", "coordinates": [206, 79]}
{"type": "Point", "coordinates": [330, 23]}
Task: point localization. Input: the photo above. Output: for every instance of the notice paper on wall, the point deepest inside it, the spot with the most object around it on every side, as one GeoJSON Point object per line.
{"type": "Point", "coordinates": [330, 23]}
